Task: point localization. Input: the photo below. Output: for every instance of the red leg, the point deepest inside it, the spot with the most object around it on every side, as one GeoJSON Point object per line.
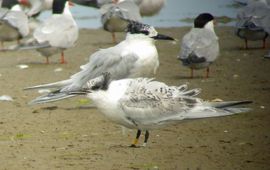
{"type": "Point", "coordinates": [62, 58]}
{"type": "Point", "coordinates": [47, 60]}
{"type": "Point", "coordinates": [246, 44]}
{"type": "Point", "coordinates": [264, 44]}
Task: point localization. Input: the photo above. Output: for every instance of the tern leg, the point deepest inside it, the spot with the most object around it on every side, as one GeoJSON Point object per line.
{"type": "Point", "coordinates": [264, 44]}
{"type": "Point", "coordinates": [207, 72]}
{"type": "Point", "coordinates": [146, 137]}
{"type": "Point", "coordinates": [246, 44]}
{"type": "Point", "coordinates": [47, 60]}
{"type": "Point", "coordinates": [113, 38]}
{"type": "Point", "coordinates": [191, 73]}
{"type": "Point", "coordinates": [135, 142]}
{"type": "Point", "coordinates": [62, 61]}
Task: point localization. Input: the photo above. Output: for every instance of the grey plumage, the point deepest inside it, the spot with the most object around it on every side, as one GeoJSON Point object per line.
{"type": "Point", "coordinates": [13, 25]}
{"type": "Point", "coordinates": [200, 46]}
{"type": "Point", "coordinates": [54, 35]}
{"type": "Point", "coordinates": [115, 16]}
{"type": "Point", "coordinates": [252, 23]}
{"type": "Point", "coordinates": [136, 56]}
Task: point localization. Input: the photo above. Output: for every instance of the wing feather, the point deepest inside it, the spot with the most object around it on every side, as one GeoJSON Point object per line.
{"type": "Point", "coordinates": [152, 102]}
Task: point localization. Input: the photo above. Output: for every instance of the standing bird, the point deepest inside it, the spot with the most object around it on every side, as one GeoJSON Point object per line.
{"type": "Point", "coordinates": [200, 46]}
{"type": "Point", "coordinates": [144, 104]}
{"type": "Point", "coordinates": [13, 24]}
{"type": "Point", "coordinates": [55, 34]}
{"type": "Point", "coordinates": [136, 56]}
{"type": "Point", "coordinates": [250, 24]}
{"type": "Point", "coordinates": [115, 16]}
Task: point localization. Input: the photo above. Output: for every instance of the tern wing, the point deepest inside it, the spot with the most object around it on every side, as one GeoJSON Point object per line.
{"type": "Point", "coordinates": [59, 30]}
{"type": "Point", "coordinates": [18, 20]}
{"type": "Point", "coordinates": [148, 103]}
{"type": "Point", "coordinates": [105, 60]}
{"type": "Point", "coordinates": [200, 42]}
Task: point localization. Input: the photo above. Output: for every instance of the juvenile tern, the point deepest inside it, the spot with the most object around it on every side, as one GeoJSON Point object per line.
{"type": "Point", "coordinates": [200, 46]}
{"type": "Point", "coordinates": [144, 104]}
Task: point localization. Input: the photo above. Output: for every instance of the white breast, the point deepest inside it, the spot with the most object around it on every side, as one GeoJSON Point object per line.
{"type": "Point", "coordinates": [108, 101]}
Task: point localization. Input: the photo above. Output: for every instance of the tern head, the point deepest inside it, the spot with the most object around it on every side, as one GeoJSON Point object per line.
{"type": "Point", "coordinates": [147, 30]}
{"type": "Point", "coordinates": [204, 20]}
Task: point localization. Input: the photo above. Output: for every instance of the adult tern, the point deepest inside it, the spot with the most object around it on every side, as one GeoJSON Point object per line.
{"type": "Point", "coordinates": [13, 24]}
{"type": "Point", "coordinates": [251, 24]}
{"type": "Point", "coordinates": [55, 34]}
{"type": "Point", "coordinates": [136, 56]}
{"type": "Point", "coordinates": [115, 16]}
{"type": "Point", "coordinates": [200, 45]}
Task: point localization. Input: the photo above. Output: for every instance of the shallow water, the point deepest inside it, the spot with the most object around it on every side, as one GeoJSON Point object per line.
{"type": "Point", "coordinates": [170, 16]}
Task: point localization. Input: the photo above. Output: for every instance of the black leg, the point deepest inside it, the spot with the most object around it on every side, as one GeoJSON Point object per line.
{"type": "Point", "coordinates": [146, 137]}
{"type": "Point", "coordinates": [207, 72]}
{"type": "Point", "coordinates": [135, 142]}
{"type": "Point", "coordinates": [191, 73]}
{"type": "Point", "coordinates": [246, 44]}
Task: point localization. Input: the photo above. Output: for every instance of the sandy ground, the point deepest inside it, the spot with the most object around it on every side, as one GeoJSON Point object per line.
{"type": "Point", "coordinates": [64, 135]}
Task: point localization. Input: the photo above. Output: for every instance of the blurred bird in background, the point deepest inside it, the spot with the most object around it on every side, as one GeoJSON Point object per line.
{"type": "Point", "coordinates": [55, 34]}
{"type": "Point", "coordinates": [252, 23]}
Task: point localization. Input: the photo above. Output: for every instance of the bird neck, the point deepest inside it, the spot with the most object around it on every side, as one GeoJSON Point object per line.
{"type": "Point", "coordinates": [210, 26]}
{"type": "Point", "coordinates": [66, 10]}
{"type": "Point", "coordinates": [139, 37]}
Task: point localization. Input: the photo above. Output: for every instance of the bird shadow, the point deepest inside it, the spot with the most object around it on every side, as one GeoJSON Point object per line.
{"type": "Point", "coordinates": [104, 44]}
{"type": "Point", "coordinates": [189, 78]}
{"type": "Point", "coordinates": [120, 146]}
{"type": "Point", "coordinates": [40, 63]}
{"type": "Point", "coordinates": [80, 108]}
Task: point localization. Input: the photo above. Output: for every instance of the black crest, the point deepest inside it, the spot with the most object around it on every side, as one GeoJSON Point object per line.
{"type": "Point", "coordinates": [201, 20]}
{"type": "Point", "coordinates": [137, 28]}
{"type": "Point", "coordinates": [58, 6]}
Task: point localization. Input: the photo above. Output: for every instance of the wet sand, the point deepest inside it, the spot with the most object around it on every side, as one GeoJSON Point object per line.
{"type": "Point", "coordinates": [66, 135]}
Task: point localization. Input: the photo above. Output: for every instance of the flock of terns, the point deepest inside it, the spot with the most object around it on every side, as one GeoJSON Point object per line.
{"type": "Point", "coordinates": [117, 79]}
